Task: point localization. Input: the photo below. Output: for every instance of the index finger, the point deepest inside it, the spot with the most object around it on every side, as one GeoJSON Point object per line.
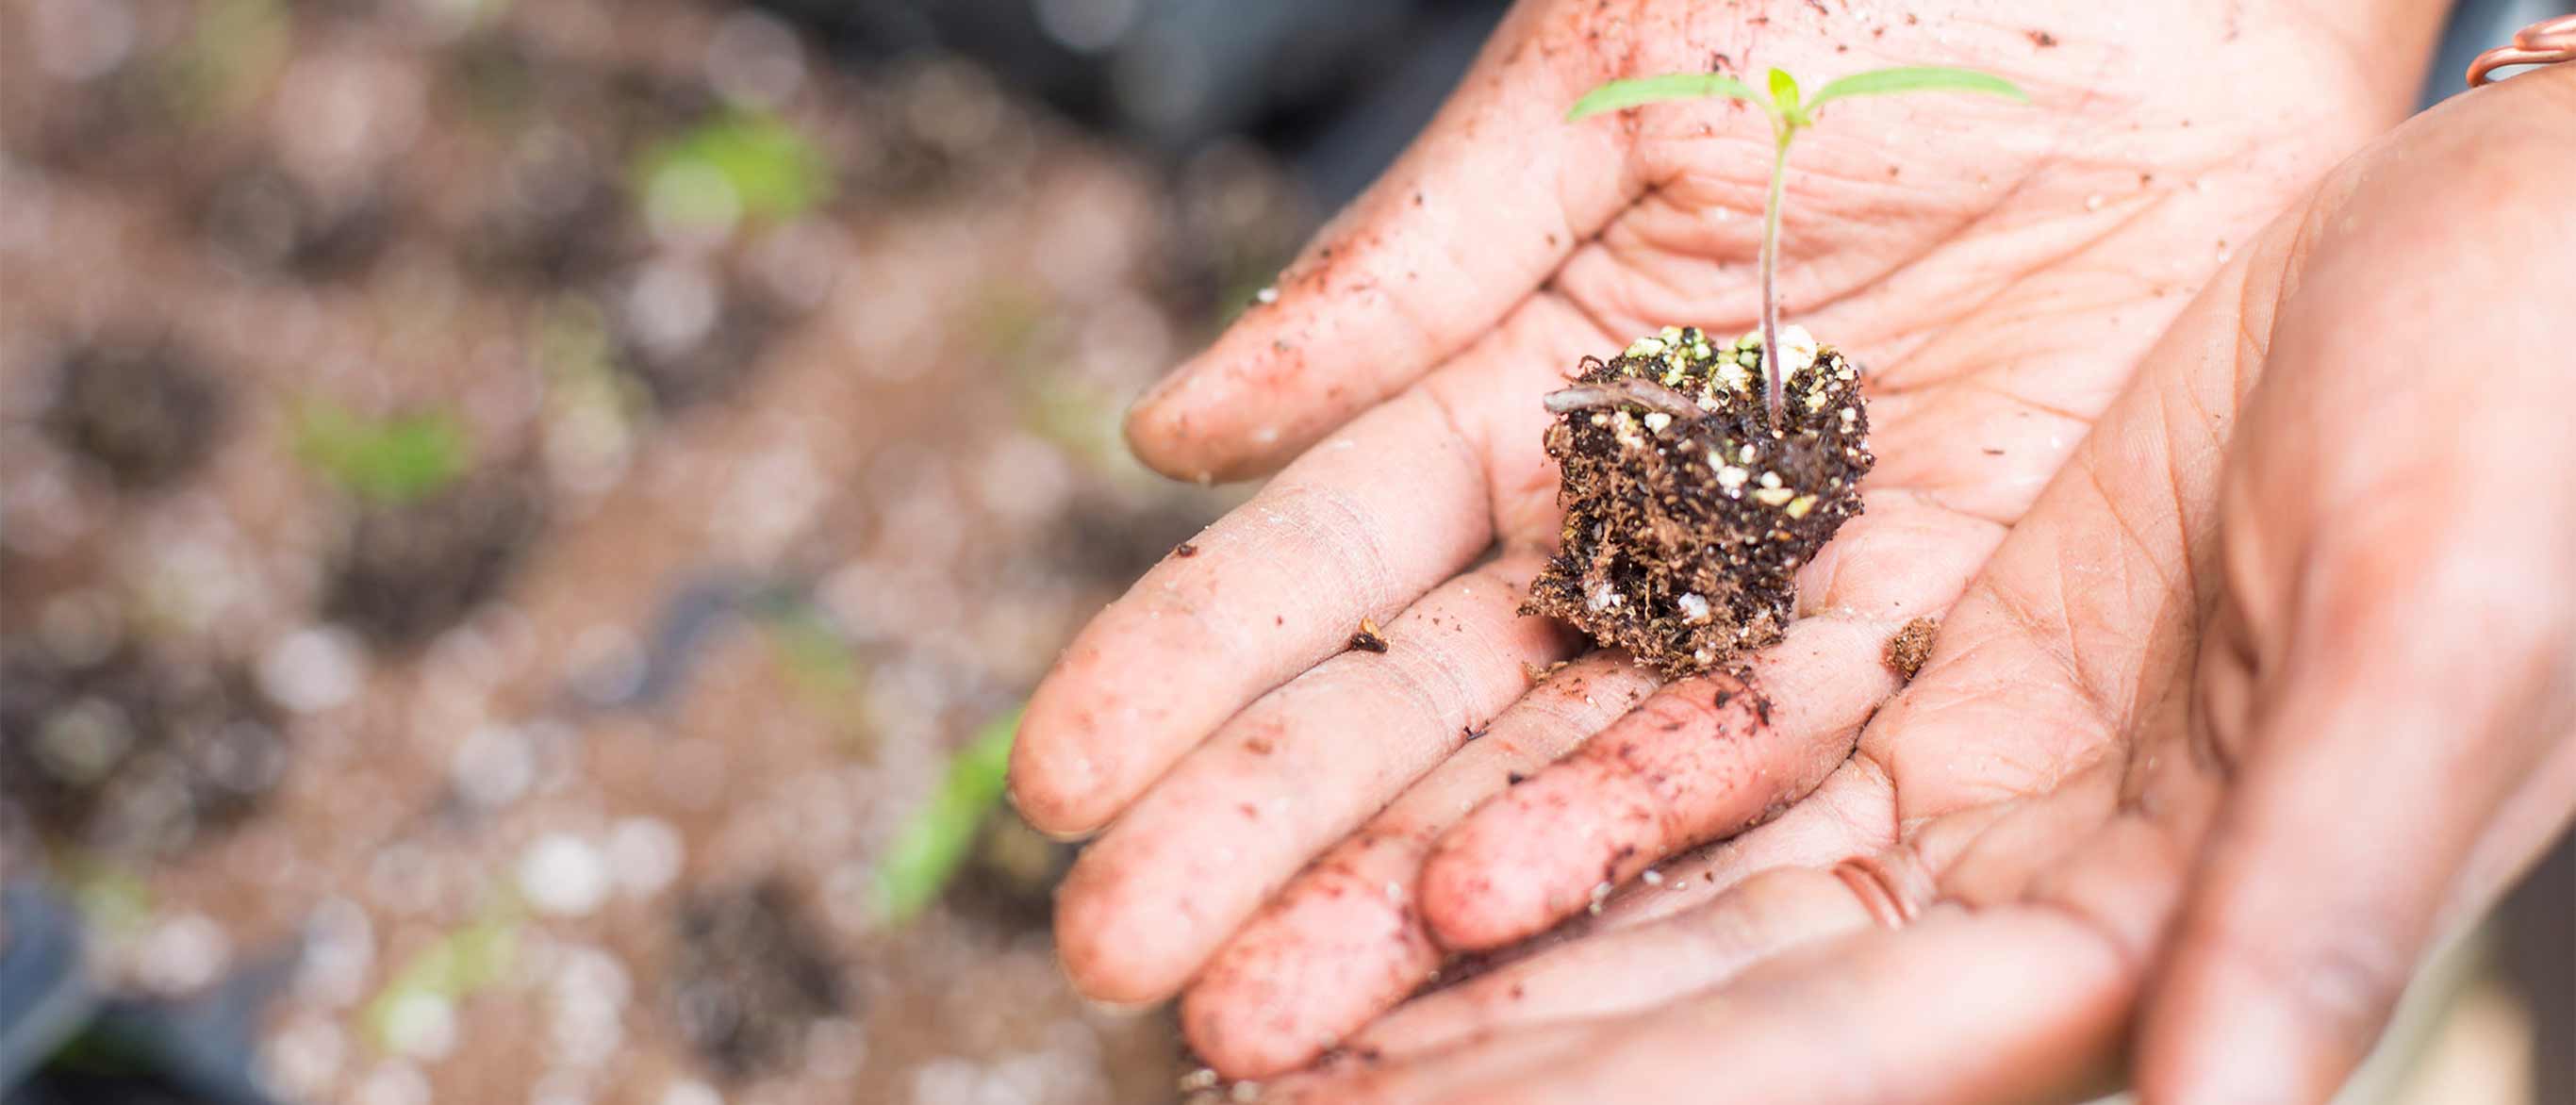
{"type": "Point", "coordinates": [1488, 201]}
{"type": "Point", "coordinates": [1270, 590]}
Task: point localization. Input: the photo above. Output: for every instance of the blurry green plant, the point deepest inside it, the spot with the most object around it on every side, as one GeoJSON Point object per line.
{"type": "Point", "coordinates": [233, 49]}
{"type": "Point", "coordinates": [817, 658]}
{"type": "Point", "coordinates": [1788, 115]}
{"type": "Point", "coordinates": [930, 848]}
{"type": "Point", "coordinates": [112, 898]}
{"type": "Point", "coordinates": [823, 666]}
{"type": "Point", "coordinates": [452, 968]}
{"type": "Point", "coordinates": [769, 169]}
{"type": "Point", "coordinates": [390, 461]}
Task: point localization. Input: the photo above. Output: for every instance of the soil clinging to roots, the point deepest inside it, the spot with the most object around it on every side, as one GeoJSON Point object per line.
{"type": "Point", "coordinates": [1687, 512]}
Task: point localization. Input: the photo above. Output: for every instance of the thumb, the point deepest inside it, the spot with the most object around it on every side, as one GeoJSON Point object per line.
{"type": "Point", "coordinates": [2398, 654]}
{"type": "Point", "coordinates": [2381, 801]}
{"type": "Point", "coordinates": [1489, 199]}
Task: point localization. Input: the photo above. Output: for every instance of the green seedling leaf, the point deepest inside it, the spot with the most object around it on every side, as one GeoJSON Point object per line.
{"type": "Point", "coordinates": [1789, 115]}
{"type": "Point", "coordinates": [1618, 95]}
{"type": "Point", "coordinates": [927, 852]}
{"type": "Point", "coordinates": [390, 460]}
{"type": "Point", "coordinates": [1784, 93]}
{"type": "Point", "coordinates": [1915, 78]}
{"type": "Point", "coordinates": [743, 162]}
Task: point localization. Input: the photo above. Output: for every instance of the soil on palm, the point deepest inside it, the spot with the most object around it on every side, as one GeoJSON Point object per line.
{"type": "Point", "coordinates": [1688, 511]}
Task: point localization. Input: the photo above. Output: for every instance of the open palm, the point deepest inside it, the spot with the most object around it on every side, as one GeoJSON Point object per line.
{"type": "Point", "coordinates": [2270, 688]}
{"type": "Point", "coordinates": [2001, 268]}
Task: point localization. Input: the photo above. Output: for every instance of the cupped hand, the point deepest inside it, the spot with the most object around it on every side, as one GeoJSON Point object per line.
{"type": "Point", "coordinates": [2275, 684]}
{"type": "Point", "coordinates": [2000, 267]}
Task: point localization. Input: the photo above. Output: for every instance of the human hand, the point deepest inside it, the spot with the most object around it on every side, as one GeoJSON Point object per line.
{"type": "Point", "coordinates": [2208, 754]}
{"type": "Point", "coordinates": [2002, 268]}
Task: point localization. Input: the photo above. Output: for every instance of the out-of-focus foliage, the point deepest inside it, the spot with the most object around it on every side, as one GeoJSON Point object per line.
{"type": "Point", "coordinates": [742, 162]}
{"type": "Point", "coordinates": [926, 854]}
{"type": "Point", "coordinates": [389, 460]}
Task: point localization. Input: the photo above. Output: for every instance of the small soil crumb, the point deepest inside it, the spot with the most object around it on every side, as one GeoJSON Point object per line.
{"type": "Point", "coordinates": [1910, 647]}
{"type": "Point", "coordinates": [1368, 639]}
{"type": "Point", "coordinates": [2042, 39]}
{"type": "Point", "coordinates": [1687, 513]}
{"type": "Point", "coordinates": [1538, 673]}
{"type": "Point", "coordinates": [1185, 550]}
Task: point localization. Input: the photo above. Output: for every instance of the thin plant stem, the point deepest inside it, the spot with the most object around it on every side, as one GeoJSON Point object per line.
{"type": "Point", "coordinates": [1773, 385]}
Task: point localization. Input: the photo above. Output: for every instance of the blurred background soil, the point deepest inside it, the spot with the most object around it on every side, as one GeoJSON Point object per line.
{"type": "Point", "coordinates": [524, 524]}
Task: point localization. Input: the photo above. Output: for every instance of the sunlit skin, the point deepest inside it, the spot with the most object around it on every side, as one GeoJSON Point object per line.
{"type": "Point", "coordinates": [2003, 269]}
{"type": "Point", "coordinates": [2273, 687]}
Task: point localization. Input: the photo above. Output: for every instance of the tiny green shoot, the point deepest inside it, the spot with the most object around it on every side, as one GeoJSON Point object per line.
{"type": "Point", "coordinates": [452, 968]}
{"type": "Point", "coordinates": [1789, 114]}
{"type": "Point", "coordinates": [733, 164]}
{"type": "Point", "coordinates": [390, 461]}
{"type": "Point", "coordinates": [929, 849]}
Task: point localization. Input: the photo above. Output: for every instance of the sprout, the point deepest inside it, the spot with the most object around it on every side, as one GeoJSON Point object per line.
{"type": "Point", "coordinates": [452, 968]}
{"type": "Point", "coordinates": [392, 461]}
{"type": "Point", "coordinates": [929, 849]}
{"type": "Point", "coordinates": [734, 164]}
{"type": "Point", "coordinates": [1789, 115]}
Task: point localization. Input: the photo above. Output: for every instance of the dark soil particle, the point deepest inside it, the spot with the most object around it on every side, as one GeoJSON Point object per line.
{"type": "Point", "coordinates": [143, 411]}
{"type": "Point", "coordinates": [1185, 550]}
{"type": "Point", "coordinates": [749, 978]}
{"type": "Point", "coordinates": [131, 756]}
{"type": "Point", "coordinates": [1910, 647]}
{"type": "Point", "coordinates": [264, 222]}
{"type": "Point", "coordinates": [1687, 512]}
{"type": "Point", "coordinates": [1368, 639]}
{"type": "Point", "coordinates": [684, 366]}
{"type": "Point", "coordinates": [573, 229]}
{"type": "Point", "coordinates": [409, 570]}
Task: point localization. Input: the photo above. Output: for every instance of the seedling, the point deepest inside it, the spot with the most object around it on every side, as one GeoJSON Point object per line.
{"type": "Point", "coordinates": [1788, 115]}
{"type": "Point", "coordinates": [930, 848]}
{"type": "Point", "coordinates": [388, 461]}
{"type": "Point", "coordinates": [1699, 473]}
